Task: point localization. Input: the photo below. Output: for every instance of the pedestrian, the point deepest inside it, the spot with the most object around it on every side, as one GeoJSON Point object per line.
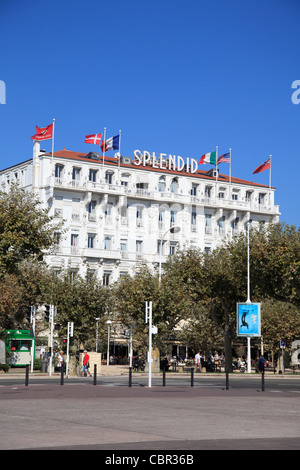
{"type": "Point", "coordinates": [86, 364]}
{"type": "Point", "coordinates": [261, 364]}
{"type": "Point", "coordinates": [60, 359]}
{"type": "Point", "coordinates": [198, 361]}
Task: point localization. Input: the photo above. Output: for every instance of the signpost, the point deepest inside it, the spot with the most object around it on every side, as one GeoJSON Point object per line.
{"type": "Point", "coordinates": [152, 330]}
{"type": "Point", "coordinates": [248, 313]}
{"type": "Point", "coordinates": [70, 332]}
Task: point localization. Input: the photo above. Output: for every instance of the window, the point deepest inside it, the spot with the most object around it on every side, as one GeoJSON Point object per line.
{"type": "Point", "coordinates": [75, 176]}
{"type": "Point", "coordinates": [107, 210]}
{"type": "Point", "coordinates": [172, 217]}
{"type": "Point", "coordinates": [92, 210]}
{"type": "Point", "coordinates": [248, 196]}
{"type": "Point", "coordinates": [235, 225]}
{"type": "Point", "coordinates": [207, 223]}
{"type": "Point", "coordinates": [174, 186]}
{"type": "Point", "coordinates": [109, 177]}
{"type": "Point", "coordinates": [139, 247]}
{"type": "Point", "coordinates": [107, 242]}
{"type": "Point", "coordinates": [161, 184]}
{"type": "Point", "coordinates": [139, 216]}
{"type": "Point", "coordinates": [261, 198]}
{"type": "Point", "coordinates": [123, 245]}
{"type": "Point", "coordinates": [106, 278]}
{"type": "Point", "coordinates": [74, 242]}
{"type": "Point", "coordinates": [91, 240]}
{"type": "Point", "coordinates": [207, 191]}
{"type": "Point", "coordinates": [57, 239]}
{"type": "Point", "coordinates": [235, 195]}
{"type": "Point", "coordinates": [194, 190]}
{"type": "Point", "coordinates": [20, 345]}
{"type": "Point", "coordinates": [125, 178]}
{"type": "Point", "coordinates": [58, 172]}
{"type": "Point", "coordinates": [193, 218]}
{"type": "Point", "coordinates": [93, 176]}
{"type": "Point", "coordinates": [124, 219]}
{"type": "Point", "coordinates": [221, 224]}
{"type": "Point", "coordinates": [173, 246]}
{"type": "Point", "coordinates": [160, 219]}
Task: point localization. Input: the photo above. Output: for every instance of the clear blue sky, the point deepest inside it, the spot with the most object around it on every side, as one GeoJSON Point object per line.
{"type": "Point", "coordinates": [175, 76]}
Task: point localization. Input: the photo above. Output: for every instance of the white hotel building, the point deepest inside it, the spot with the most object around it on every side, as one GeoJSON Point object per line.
{"type": "Point", "coordinates": [118, 211]}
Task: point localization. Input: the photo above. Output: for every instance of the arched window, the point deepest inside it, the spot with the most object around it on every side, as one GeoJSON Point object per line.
{"type": "Point", "coordinates": [174, 186]}
{"type": "Point", "coordinates": [161, 184]}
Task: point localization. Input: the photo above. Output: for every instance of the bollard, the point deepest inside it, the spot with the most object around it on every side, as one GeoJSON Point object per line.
{"type": "Point", "coordinates": [61, 375]}
{"type": "Point", "coordinates": [164, 377]}
{"type": "Point", "coordinates": [227, 381]}
{"type": "Point", "coordinates": [27, 376]}
{"type": "Point", "coordinates": [130, 376]}
{"type": "Point", "coordinates": [192, 376]}
{"type": "Point", "coordinates": [263, 381]}
{"type": "Point", "coordinates": [95, 375]}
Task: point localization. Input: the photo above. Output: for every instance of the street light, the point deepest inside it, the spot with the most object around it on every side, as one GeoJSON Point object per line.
{"type": "Point", "coordinates": [97, 323]}
{"type": "Point", "coordinates": [109, 322]}
{"type": "Point", "coordinates": [173, 229]}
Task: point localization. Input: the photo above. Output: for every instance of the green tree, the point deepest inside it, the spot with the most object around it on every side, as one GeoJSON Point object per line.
{"type": "Point", "coordinates": [26, 229]}
{"type": "Point", "coordinates": [79, 300]}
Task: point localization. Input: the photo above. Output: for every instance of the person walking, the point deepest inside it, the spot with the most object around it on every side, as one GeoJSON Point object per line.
{"type": "Point", "coordinates": [198, 361]}
{"type": "Point", "coordinates": [60, 359]}
{"type": "Point", "coordinates": [261, 364]}
{"type": "Point", "coordinates": [86, 364]}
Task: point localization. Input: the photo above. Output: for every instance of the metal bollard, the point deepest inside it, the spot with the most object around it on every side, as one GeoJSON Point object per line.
{"type": "Point", "coordinates": [27, 376]}
{"type": "Point", "coordinates": [130, 376]}
{"type": "Point", "coordinates": [95, 375]}
{"type": "Point", "coordinates": [192, 376]}
{"type": "Point", "coordinates": [164, 377]}
{"type": "Point", "coordinates": [61, 375]}
{"type": "Point", "coordinates": [263, 381]}
{"type": "Point", "coordinates": [227, 381]}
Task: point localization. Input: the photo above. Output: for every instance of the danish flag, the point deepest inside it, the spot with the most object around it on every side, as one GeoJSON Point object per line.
{"type": "Point", "coordinates": [93, 139]}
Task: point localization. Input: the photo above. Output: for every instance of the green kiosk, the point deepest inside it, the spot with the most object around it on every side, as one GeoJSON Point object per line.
{"type": "Point", "coordinates": [20, 345]}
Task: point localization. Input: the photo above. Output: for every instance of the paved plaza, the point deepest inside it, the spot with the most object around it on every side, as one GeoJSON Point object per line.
{"type": "Point", "coordinates": [111, 418]}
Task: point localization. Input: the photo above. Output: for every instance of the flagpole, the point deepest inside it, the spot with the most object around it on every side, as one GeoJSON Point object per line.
{"type": "Point", "coordinates": [216, 163]}
{"type": "Point", "coordinates": [270, 181]}
{"type": "Point", "coordinates": [119, 161]}
{"type": "Point", "coordinates": [104, 143]}
{"type": "Point", "coordinates": [52, 160]}
{"type": "Point", "coordinates": [229, 166]}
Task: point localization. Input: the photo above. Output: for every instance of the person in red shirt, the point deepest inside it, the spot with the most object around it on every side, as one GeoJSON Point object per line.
{"type": "Point", "coordinates": [86, 364]}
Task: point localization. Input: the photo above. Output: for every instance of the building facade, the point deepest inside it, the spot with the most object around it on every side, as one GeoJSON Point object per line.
{"type": "Point", "coordinates": [118, 212]}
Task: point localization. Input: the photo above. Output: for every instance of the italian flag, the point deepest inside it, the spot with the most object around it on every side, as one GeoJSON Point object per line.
{"type": "Point", "coordinates": [209, 158]}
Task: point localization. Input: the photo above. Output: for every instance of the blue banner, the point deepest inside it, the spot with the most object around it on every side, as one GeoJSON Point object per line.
{"type": "Point", "coordinates": [248, 319]}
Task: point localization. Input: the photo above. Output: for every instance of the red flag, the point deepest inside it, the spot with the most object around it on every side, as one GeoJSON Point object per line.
{"type": "Point", "coordinates": [263, 166]}
{"type": "Point", "coordinates": [93, 139]}
{"type": "Point", "coordinates": [43, 133]}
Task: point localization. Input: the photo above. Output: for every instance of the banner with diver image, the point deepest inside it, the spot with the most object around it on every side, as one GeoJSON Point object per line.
{"type": "Point", "coordinates": [248, 319]}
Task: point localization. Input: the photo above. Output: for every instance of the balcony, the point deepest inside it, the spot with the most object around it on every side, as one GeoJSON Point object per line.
{"type": "Point", "coordinates": [246, 204]}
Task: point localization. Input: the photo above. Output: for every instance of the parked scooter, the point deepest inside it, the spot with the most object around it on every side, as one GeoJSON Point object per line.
{"type": "Point", "coordinates": [239, 365]}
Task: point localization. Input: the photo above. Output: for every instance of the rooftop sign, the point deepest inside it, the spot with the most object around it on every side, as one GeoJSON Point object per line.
{"type": "Point", "coordinates": [164, 161]}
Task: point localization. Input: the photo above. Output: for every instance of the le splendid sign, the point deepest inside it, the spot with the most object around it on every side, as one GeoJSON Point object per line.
{"type": "Point", "coordinates": [164, 161]}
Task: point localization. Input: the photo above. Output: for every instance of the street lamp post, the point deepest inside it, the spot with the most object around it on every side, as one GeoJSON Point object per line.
{"type": "Point", "coordinates": [97, 323]}
{"type": "Point", "coordinates": [108, 331]}
{"type": "Point", "coordinates": [173, 229]}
